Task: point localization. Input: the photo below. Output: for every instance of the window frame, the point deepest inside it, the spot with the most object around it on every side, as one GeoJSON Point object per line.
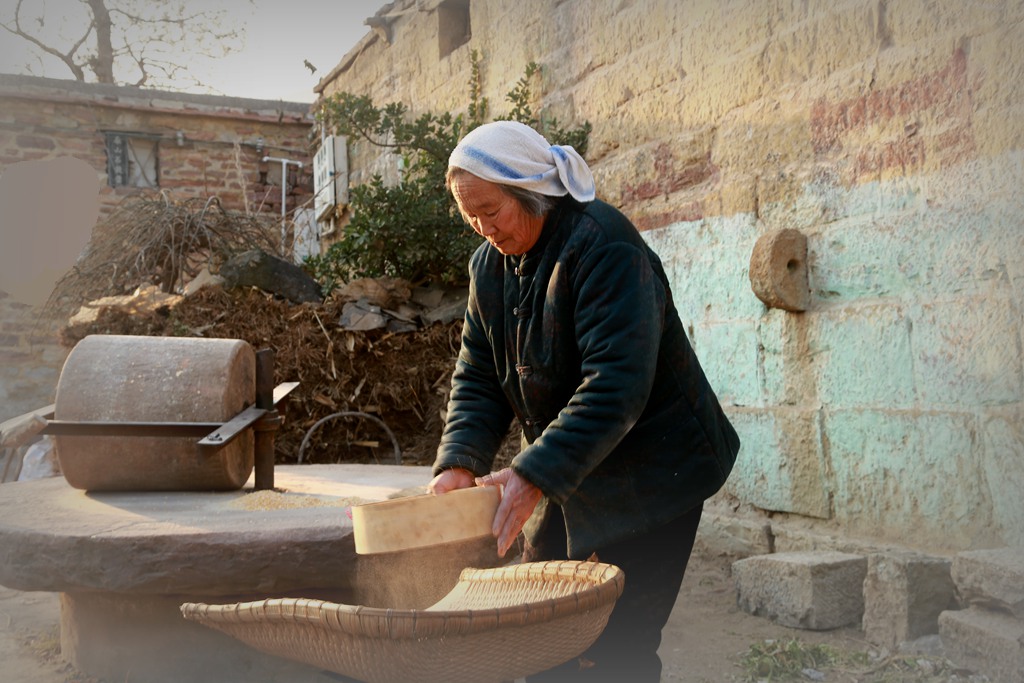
{"type": "Point", "coordinates": [119, 150]}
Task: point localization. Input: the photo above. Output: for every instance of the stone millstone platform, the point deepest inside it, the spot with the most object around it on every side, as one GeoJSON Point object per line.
{"type": "Point", "coordinates": [124, 562]}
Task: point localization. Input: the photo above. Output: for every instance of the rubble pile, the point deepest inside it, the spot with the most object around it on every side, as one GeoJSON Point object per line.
{"type": "Point", "coordinates": [378, 347]}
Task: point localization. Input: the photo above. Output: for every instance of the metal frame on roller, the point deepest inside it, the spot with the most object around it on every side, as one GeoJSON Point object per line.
{"type": "Point", "coordinates": [262, 417]}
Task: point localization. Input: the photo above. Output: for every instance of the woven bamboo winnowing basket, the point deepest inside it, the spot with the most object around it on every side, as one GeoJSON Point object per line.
{"type": "Point", "coordinates": [495, 625]}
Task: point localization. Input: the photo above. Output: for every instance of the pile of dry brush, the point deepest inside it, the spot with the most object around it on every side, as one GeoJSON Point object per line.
{"type": "Point", "coordinates": [401, 379]}
{"type": "Point", "coordinates": [155, 239]}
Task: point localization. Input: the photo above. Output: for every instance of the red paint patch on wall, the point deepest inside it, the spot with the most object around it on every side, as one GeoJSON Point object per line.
{"type": "Point", "coordinates": [944, 95]}
{"type": "Point", "coordinates": [669, 176]}
{"type": "Point", "coordinates": [692, 211]}
{"type": "Point", "coordinates": [904, 153]}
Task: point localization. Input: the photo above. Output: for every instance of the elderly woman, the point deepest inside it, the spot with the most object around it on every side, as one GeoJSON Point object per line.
{"type": "Point", "coordinates": [571, 329]}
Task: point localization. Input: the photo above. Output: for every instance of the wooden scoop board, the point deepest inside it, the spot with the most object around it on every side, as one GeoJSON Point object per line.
{"type": "Point", "coordinates": [425, 520]}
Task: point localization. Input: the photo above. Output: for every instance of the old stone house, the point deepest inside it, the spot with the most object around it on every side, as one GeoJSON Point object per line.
{"type": "Point", "coordinates": [70, 151]}
{"type": "Point", "coordinates": [889, 135]}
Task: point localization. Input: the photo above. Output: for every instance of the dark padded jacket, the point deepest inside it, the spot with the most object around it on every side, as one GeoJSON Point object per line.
{"type": "Point", "coordinates": [579, 339]}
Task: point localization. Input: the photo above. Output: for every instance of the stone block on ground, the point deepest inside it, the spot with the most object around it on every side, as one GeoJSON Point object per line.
{"type": "Point", "coordinates": [815, 590]}
{"type": "Point", "coordinates": [904, 593]}
{"type": "Point", "coordinates": [985, 641]}
{"type": "Point", "coordinates": [257, 268]}
{"type": "Point", "coordinates": [735, 536]}
{"type": "Point", "coordinates": [993, 579]}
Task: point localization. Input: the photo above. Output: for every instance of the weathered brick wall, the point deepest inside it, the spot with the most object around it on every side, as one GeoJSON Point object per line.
{"type": "Point", "coordinates": [220, 153]}
{"type": "Point", "coordinates": [30, 358]}
{"type": "Point", "coordinates": [891, 135]}
{"type": "Point", "coordinates": [223, 140]}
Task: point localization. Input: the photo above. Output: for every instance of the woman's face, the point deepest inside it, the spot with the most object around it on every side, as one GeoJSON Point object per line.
{"type": "Point", "coordinates": [496, 216]}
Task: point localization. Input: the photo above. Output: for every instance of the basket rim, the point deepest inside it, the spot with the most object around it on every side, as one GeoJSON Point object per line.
{"type": "Point", "coordinates": [600, 585]}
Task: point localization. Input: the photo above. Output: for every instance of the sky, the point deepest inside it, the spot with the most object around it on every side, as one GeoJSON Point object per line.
{"type": "Point", "coordinates": [279, 36]}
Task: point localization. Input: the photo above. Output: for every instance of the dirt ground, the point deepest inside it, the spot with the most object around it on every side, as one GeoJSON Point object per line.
{"type": "Point", "coordinates": [707, 640]}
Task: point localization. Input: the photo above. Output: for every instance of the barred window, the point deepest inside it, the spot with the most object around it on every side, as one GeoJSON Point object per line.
{"type": "Point", "coordinates": [132, 159]}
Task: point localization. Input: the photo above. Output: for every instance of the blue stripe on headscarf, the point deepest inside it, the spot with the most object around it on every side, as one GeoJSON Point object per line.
{"type": "Point", "coordinates": [560, 153]}
{"type": "Point", "coordinates": [486, 159]}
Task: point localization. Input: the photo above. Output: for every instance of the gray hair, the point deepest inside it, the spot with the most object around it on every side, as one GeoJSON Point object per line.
{"type": "Point", "coordinates": [533, 203]}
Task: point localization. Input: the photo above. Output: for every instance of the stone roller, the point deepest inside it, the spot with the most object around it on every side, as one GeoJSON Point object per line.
{"type": "Point", "coordinates": [122, 379]}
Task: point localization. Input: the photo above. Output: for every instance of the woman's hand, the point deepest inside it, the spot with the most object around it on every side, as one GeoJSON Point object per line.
{"type": "Point", "coordinates": [518, 500]}
{"type": "Point", "coordinates": [449, 480]}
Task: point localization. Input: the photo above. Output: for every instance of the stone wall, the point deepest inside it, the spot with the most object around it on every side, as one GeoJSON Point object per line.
{"type": "Point", "coordinates": [890, 134]}
{"type": "Point", "coordinates": [50, 130]}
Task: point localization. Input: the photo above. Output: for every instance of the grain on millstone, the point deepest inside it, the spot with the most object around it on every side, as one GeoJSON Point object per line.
{"type": "Point", "coordinates": [277, 500]}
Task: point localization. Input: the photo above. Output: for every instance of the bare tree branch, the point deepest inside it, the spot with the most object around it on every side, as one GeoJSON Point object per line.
{"type": "Point", "coordinates": [81, 41]}
{"type": "Point", "coordinates": [130, 40]}
{"type": "Point", "coordinates": [180, 21]}
{"type": "Point", "coordinates": [140, 61]}
{"type": "Point", "coordinates": [103, 64]}
{"type": "Point", "coordinates": [67, 58]}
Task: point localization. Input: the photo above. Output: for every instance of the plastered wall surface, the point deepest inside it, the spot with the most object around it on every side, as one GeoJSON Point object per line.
{"type": "Point", "coordinates": [891, 134]}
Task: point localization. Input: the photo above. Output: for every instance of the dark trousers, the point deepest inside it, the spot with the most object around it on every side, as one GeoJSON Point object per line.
{"type": "Point", "coordinates": [654, 565]}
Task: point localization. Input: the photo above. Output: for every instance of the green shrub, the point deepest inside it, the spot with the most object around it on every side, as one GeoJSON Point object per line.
{"type": "Point", "coordinates": [413, 230]}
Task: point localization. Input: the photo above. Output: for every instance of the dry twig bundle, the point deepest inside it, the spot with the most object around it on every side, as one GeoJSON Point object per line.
{"type": "Point", "coordinates": [162, 241]}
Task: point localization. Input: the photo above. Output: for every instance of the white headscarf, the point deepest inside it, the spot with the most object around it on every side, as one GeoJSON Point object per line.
{"type": "Point", "coordinates": [512, 153]}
